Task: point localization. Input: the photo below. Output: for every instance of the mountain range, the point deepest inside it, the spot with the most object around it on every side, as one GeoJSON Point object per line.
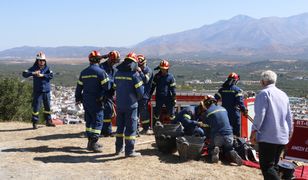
{"type": "Point", "coordinates": [240, 37]}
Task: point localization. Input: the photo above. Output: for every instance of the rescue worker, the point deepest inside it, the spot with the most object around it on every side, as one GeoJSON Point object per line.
{"type": "Point", "coordinates": [232, 99]}
{"type": "Point", "coordinates": [216, 117]}
{"type": "Point", "coordinates": [165, 86]}
{"type": "Point", "coordinates": [189, 117]}
{"type": "Point", "coordinates": [129, 89]}
{"type": "Point", "coordinates": [147, 78]}
{"type": "Point", "coordinates": [108, 66]}
{"type": "Point", "coordinates": [92, 86]}
{"type": "Point", "coordinates": [41, 89]}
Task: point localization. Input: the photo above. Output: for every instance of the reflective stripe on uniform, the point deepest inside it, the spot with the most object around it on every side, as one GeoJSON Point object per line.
{"type": "Point", "coordinates": [145, 121]}
{"type": "Point", "coordinates": [123, 78]}
{"type": "Point", "coordinates": [119, 135]}
{"type": "Point", "coordinates": [88, 76]}
{"type": "Point", "coordinates": [104, 81]}
{"type": "Point", "coordinates": [172, 117]}
{"type": "Point", "coordinates": [89, 129]}
{"type": "Point", "coordinates": [80, 83]}
{"type": "Point", "coordinates": [35, 113]}
{"type": "Point", "coordinates": [173, 84]}
{"type": "Point", "coordinates": [238, 94]}
{"type": "Point", "coordinates": [114, 86]}
{"type": "Point", "coordinates": [138, 84]}
{"type": "Point", "coordinates": [228, 91]}
{"type": "Point", "coordinates": [187, 116]}
{"type": "Point", "coordinates": [130, 137]}
{"type": "Point", "coordinates": [147, 77]}
{"type": "Point", "coordinates": [218, 110]}
{"type": "Point", "coordinates": [47, 112]}
{"type": "Point", "coordinates": [107, 120]}
{"type": "Point", "coordinates": [96, 131]}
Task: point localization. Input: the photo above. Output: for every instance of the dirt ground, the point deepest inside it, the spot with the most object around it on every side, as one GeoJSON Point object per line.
{"type": "Point", "coordinates": [59, 153]}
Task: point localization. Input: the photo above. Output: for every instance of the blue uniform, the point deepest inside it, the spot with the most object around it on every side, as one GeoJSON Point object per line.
{"type": "Point", "coordinates": [187, 117]}
{"type": "Point", "coordinates": [221, 131]}
{"type": "Point", "coordinates": [129, 89]}
{"type": "Point", "coordinates": [165, 94]}
{"type": "Point", "coordinates": [91, 88]}
{"type": "Point", "coordinates": [147, 78]}
{"type": "Point", "coordinates": [232, 99]}
{"type": "Point", "coordinates": [41, 91]}
{"type": "Point", "coordinates": [108, 106]}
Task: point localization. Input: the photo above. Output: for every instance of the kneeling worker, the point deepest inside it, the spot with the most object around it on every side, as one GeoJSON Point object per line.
{"type": "Point", "coordinates": [221, 131]}
{"type": "Point", "coordinates": [188, 117]}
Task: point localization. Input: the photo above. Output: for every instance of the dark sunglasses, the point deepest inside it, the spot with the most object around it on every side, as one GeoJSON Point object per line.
{"type": "Point", "coordinates": [42, 60]}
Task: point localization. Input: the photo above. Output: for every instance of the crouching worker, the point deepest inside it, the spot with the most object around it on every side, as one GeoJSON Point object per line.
{"type": "Point", "coordinates": [41, 89]}
{"type": "Point", "coordinates": [188, 118]}
{"type": "Point", "coordinates": [221, 135]}
{"type": "Point", "coordinates": [91, 89]}
{"type": "Point", "coordinates": [129, 89]}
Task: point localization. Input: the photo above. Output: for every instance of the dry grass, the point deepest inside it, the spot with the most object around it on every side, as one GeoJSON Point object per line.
{"type": "Point", "coordinates": [59, 153]}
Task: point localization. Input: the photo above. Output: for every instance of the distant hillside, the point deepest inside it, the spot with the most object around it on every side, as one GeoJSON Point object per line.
{"type": "Point", "coordinates": [240, 37]}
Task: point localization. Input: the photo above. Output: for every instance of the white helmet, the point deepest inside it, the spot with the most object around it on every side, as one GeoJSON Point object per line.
{"type": "Point", "coordinates": [40, 56]}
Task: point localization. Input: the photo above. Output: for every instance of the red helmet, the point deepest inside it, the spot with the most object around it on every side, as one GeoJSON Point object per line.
{"type": "Point", "coordinates": [132, 56]}
{"type": "Point", "coordinates": [95, 56]}
{"type": "Point", "coordinates": [141, 59]}
{"type": "Point", "coordinates": [234, 76]}
{"type": "Point", "coordinates": [164, 64]}
{"type": "Point", "coordinates": [114, 56]}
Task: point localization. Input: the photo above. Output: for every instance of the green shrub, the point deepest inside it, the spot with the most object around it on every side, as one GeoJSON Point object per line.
{"type": "Point", "coordinates": [15, 100]}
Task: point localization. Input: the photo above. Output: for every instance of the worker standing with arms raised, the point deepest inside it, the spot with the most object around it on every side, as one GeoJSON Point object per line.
{"type": "Point", "coordinates": [147, 78]}
{"type": "Point", "coordinates": [165, 86]}
{"type": "Point", "coordinates": [91, 90]}
{"type": "Point", "coordinates": [129, 89]}
{"type": "Point", "coordinates": [108, 66]}
{"type": "Point", "coordinates": [41, 89]}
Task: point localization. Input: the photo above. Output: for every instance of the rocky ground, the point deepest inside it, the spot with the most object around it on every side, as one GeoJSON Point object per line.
{"type": "Point", "coordinates": [59, 153]}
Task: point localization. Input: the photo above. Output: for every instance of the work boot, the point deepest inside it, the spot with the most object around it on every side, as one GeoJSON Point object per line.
{"type": "Point", "coordinates": [49, 123]}
{"type": "Point", "coordinates": [146, 132]}
{"type": "Point", "coordinates": [34, 125]}
{"type": "Point", "coordinates": [235, 157]}
{"type": "Point", "coordinates": [119, 152]}
{"type": "Point", "coordinates": [133, 154]}
{"type": "Point", "coordinates": [94, 146]}
{"type": "Point", "coordinates": [215, 155]}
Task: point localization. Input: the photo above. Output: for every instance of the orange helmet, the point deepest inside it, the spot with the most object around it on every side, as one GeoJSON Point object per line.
{"type": "Point", "coordinates": [132, 56]}
{"type": "Point", "coordinates": [95, 56]}
{"type": "Point", "coordinates": [234, 76]}
{"type": "Point", "coordinates": [114, 56]}
{"type": "Point", "coordinates": [40, 56]}
{"type": "Point", "coordinates": [164, 64]}
{"type": "Point", "coordinates": [141, 59]}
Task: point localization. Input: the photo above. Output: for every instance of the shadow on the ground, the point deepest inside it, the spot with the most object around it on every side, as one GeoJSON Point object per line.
{"type": "Point", "coordinates": [13, 130]}
{"type": "Point", "coordinates": [79, 159]}
{"type": "Point", "coordinates": [46, 149]}
{"type": "Point", "coordinates": [163, 157]}
{"type": "Point", "coordinates": [58, 136]}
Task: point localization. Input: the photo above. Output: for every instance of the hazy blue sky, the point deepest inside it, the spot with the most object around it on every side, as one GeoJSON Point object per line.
{"type": "Point", "coordinates": [121, 22]}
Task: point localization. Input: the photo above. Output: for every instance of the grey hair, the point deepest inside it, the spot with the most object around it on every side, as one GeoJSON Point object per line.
{"type": "Point", "coordinates": [269, 76]}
